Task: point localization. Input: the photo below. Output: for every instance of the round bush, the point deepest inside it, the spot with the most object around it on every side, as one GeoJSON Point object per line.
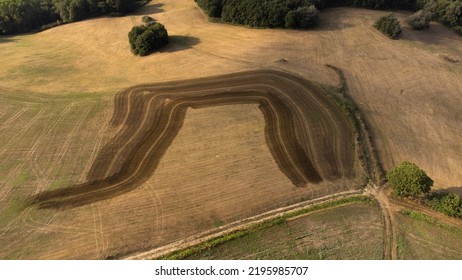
{"type": "Point", "coordinates": [389, 25]}
{"type": "Point", "coordinates": [147, 39]}
{"type": "Point", "coordinates": [419, 20]}
{"type": "Point", "coordinates": [407, 179]}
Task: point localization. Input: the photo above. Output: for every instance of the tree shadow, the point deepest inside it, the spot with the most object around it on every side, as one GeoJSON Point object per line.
{"type": "Point", "coordinates": [456, 190]}
{"type": "Point", "coordinates": [437, 34]}
{"type": "Point", "coordinates": [6, 39]}
{"type": "Point", "coordinates": [180, 43]}
{"type": "Point", "coordinates": [325, 25]}
{"type": "Point", "coordinates": [149, 9]}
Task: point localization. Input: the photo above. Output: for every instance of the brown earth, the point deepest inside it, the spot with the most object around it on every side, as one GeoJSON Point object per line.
{"type": "Point", "coordinates": [309, 137]}
{"type": "Point", "coordinates": [210, 175]}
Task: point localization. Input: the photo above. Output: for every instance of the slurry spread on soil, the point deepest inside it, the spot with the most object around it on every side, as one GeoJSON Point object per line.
{"type": "Point", "coordinates": [308, 136]}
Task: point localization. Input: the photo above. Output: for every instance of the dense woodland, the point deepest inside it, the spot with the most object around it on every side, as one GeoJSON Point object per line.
{"type": "Point", "coordinates": [18, 16]}
{"type": "Point", "coordinates": [281, 13]}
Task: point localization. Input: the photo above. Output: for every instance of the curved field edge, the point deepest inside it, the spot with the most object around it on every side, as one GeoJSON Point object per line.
{"type": "Point", "coordinates": [367, 151]}
{"type": "Point", "coordinates": [283, 218]}
{"type": "Point", "coordinates": [306, 132]}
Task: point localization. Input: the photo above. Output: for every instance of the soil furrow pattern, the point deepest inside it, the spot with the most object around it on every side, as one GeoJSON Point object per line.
{"type": "Point", "coordinates": [308, 136]}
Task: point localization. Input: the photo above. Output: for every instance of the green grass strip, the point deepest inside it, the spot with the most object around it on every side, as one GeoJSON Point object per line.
{"type": "Point", "coordinates": [419, 216]}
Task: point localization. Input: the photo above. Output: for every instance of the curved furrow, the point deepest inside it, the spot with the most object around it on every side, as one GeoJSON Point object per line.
{"type": "Point", "coordinates": [308, 136]}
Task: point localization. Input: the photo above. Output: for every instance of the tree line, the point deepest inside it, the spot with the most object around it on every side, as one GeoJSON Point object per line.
{"type": "Point", "coordinates": [304, 13]}
{"type": "Point", "coordinates": [263, 13]}
{"type": "Point", "coordinates": [17, 16]}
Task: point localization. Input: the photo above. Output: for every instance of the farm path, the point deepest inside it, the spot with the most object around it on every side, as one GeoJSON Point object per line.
{"type": "Point", "coordinates": [390, 252]}
{"type": "Point", "coordinates": [400, 204]}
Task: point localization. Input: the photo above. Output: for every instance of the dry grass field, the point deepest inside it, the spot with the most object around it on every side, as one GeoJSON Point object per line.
{"type": "Point", "coordinates": [308, 136]}
{"type": "Point", "coordinates": [209, 175]}
{"type": "Point", "coordinates": [57, 91]}
{"type": "Point", "coordinates": [353, 231]}
{"type": "Point", "coordinates": [409, 92]}
{"type": "Point", "coordinates": [47, 143]}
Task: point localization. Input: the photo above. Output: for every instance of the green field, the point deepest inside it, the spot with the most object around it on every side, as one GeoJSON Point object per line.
{"type": "Point", "coordinates": [423, 237]}
{"type": "Point", "coordinates": [352, 231]}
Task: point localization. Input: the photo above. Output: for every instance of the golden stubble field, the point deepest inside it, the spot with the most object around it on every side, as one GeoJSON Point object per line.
{"type": "Point", "coordinates": [410, 94]}
{"type": "Point", "coordinates": [57, 89]}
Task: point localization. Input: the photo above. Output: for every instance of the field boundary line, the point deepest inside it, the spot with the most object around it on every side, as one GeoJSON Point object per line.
{"type": "Point", "coordinates": [235, 226]}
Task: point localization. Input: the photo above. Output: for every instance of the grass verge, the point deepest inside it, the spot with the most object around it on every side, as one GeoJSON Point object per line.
{"type": "Point", "coordinates": [367, 152]}
{"type": "Point", "coordinates": [419, 216]}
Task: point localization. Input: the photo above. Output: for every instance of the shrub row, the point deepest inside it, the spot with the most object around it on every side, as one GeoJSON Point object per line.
{"type": "Point", "coordinates": [447, 203]}
{"type": "Point", "coordinates": [263, 13]}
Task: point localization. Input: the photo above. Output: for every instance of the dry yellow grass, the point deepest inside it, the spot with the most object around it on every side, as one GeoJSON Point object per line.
{"type": "Point", "coordinates": [220, 176]}
{"type": "Point", "coordinates": [409, 93]}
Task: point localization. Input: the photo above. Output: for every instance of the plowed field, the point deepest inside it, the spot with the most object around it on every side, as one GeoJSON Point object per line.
{"type": "Point", "coordinates": [175, 160]}
{"type": "Point", "coordinates": [309, 137]}
{"type": "Point", "coordinates": [106, 182]}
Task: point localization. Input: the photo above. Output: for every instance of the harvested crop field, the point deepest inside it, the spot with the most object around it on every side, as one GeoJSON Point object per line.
{"type": "Point", "coordinates": [353, 231]}
{"type": "Point", "coordinates": [172, 169]}
{"type": "Point", "coordinates": [409, 90]}
{"type": "Point", "coordinates": [309, 138]}
{"type": "Point", "coordinates": [62, 130]}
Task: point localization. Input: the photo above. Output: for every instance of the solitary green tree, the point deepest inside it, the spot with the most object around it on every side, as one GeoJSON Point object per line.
{"type": "Point", "coordinates": [146, 39]}
{"type": "Point", "coordinates": [389, 25]}
{"type": "Point", "coordinates": [407, 179]}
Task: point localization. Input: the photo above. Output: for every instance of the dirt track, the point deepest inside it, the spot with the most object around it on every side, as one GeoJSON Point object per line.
{"type": "Point", "coordinates": [308, 136]}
